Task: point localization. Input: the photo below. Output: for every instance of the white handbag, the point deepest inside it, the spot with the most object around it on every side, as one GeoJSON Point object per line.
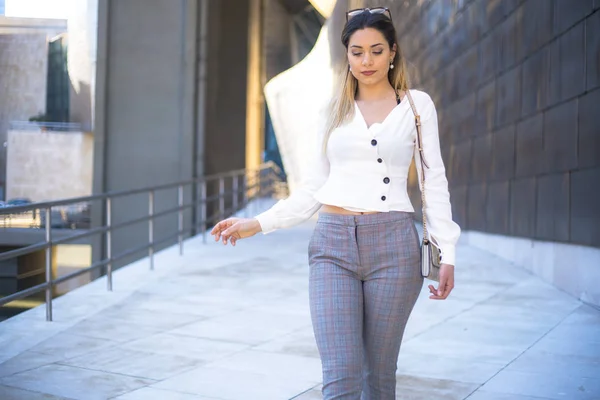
{"type": "Point", "coordinates": [431, 257]}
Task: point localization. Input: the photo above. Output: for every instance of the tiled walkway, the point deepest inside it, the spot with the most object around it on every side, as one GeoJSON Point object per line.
{"type": "Point", "coordinates": [233, 323]}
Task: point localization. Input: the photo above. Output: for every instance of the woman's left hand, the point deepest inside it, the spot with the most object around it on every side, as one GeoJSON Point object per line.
{"type": "Point", "coordinates": [446, 283]}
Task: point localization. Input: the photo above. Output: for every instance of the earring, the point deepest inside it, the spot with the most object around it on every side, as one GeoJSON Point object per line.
{"type": "Point", "coordinates": [391, 65]}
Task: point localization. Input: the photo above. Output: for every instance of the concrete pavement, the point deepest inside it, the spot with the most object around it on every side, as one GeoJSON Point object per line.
{"type": "Point", "coordinates": [233, 323]}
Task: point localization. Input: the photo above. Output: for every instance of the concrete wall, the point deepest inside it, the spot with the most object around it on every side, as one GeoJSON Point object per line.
{"type": "Point", "coordinates": [48, 27]}
{"type": "Point", "coordinates": [23, 69]}
{"type": "Point", "coordinates": [171, 101]}
{"type": "Point", "coordinates": [144, 108]}
{"type": "Point", "coordinates": [83, 30]}
{"type": "Point", "coordinates": [23, 63]}
{"type": "Point", "coordinates": [49, 166]}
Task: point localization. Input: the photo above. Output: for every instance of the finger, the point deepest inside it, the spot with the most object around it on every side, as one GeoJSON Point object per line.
{"type": "Point", "coordinates": [442, 285]}
{"type": "Point", "coordinates": [223, 226]}
{"type": "Point", "coordinates": [215, 228]}
{"type": "Point", "coordinates": [448, 290]}
{"type": "Point", "coordinates": [233, 238]}
{"type": "Point", "coordinates": [224, 237]}
{"type": "Point", "coordinates": [434, 293]}
{"type": "Point", "coordinates": [436, 297]}
{"type": "Point", "coordinates": [216, 231]}
{"type": "Point", "coordinates": [219, 226]}
{"type": "Point", "coordinates": [445, 292]}
{"type": "Point", "coordinates": [433, 290]}
{"type": "Point", "coordinates": [232, 230]}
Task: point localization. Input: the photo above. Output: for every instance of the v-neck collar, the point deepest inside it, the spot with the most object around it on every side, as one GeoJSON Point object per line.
{"type": "Point", "coordinates": [364, 121]}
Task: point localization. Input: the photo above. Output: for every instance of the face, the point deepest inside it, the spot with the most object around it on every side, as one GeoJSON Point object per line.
{"type": "Point", "coordinates": [369, 56]}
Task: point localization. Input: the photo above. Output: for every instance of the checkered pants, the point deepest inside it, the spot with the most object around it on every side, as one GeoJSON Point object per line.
{"type": "Point", "coordinates": [364, 282]}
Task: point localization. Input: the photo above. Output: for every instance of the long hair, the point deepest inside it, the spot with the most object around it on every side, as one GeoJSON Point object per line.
{"type": "Point", "coordinates": [342, 105]}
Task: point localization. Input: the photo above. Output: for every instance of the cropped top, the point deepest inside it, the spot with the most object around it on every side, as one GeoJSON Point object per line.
{"type": "Point", "coordinates": [366, 169]}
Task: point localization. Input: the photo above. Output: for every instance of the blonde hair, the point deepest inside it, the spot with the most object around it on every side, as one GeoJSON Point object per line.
{"type": "Point", "coordinates": [341, 108]}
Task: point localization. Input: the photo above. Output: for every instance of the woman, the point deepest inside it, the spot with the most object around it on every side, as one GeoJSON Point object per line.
{"type": "Point", "coordinates": [364, 253]}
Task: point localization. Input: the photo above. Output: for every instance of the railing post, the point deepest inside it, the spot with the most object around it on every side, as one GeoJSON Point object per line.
{"type": "Point", "coordinates": [221, 198]}
{"type": "Point", "coordinates": [151, 228]}
{"type": "Point", "coordinates": [245, 193]}
{"type": "Point", "coordinates": [49, 264]}
{"type": "Point", "coordinates": [260, 191]}
{"type": "Point", "coordinates": [236, 193]}
{"type": "Point", "coordinates": [257, 191]}
{"type": "Point", "coordinates": [109, 243]}
{"type": "Point", "coordinates": [203, 209]}
{"type": "Point", "coordinates": [259, 183]}
{"type": "Point", "coordinates": [180, 220]}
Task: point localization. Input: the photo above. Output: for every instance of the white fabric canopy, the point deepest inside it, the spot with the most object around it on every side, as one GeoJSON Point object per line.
{"type": "Point", "coordinates": [298, 99]}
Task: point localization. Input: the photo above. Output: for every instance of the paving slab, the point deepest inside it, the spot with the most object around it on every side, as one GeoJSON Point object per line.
{"type": "Point", "coordinates": [223, 323]}
{"type": "Point", "coordinates": [73, 383]}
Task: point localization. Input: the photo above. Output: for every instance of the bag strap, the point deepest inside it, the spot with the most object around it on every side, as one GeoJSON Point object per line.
{"type": "Point", "coordinates": [423, 163]}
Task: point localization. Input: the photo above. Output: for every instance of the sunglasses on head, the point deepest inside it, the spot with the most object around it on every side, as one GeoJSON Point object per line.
{"type": "Point", "coordinates": [376, 10]}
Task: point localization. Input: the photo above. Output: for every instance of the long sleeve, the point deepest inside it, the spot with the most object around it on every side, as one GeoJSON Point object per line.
{"type": "Point", "coordinates": [442, 229]}
{"type": "Point", "coordinates": [300, 205]}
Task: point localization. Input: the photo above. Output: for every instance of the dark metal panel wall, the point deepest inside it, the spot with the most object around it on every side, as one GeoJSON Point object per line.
{"type": "Point", "coordinates": [517, 88]}
{"type": "Point", "coordinates": [227, 66]}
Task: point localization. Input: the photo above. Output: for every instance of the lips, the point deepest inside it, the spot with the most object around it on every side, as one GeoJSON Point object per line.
{"type": "Point", "coordinates": [368, 73]}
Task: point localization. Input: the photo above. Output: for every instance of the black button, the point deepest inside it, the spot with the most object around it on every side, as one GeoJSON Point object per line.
{"type": "Point", "coordinates": [374, 142]}
{"type": "Point", "coordinates": [379, 160]}
{"type": "Point", "coordinates": [386, 180]}
{"type": "Point", "coordinates": [382, 198]}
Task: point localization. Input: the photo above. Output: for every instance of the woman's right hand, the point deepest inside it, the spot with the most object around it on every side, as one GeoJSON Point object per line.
{"type": "Point", "coordinates": [233, 229]}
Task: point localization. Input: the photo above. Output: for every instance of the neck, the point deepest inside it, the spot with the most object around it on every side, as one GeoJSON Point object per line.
{"type": "Point", "coordinates": [380, 91]}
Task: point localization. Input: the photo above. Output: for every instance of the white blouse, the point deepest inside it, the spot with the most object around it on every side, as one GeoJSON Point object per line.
{"type": "Point", "coordinates": [366, 169]}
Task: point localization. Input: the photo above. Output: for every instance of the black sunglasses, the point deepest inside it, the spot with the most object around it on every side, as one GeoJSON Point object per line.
{"type": "Point", "coordinates": [376, 10]}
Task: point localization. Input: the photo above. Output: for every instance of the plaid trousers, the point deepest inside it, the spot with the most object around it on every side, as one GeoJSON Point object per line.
{"type": "Point", "coordinates": [364, 281]}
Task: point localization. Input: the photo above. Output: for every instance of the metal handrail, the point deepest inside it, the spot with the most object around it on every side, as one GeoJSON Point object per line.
{"type": "Point", "coordinates": [265, 177]}
{"type": "Point", "coordinates": [29, 207]}
{"type": "Point", "coordinates": [44, 125]}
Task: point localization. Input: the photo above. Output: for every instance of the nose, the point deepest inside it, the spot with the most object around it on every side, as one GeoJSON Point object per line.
{"type": "Point", "coordinates": [366, 60]}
